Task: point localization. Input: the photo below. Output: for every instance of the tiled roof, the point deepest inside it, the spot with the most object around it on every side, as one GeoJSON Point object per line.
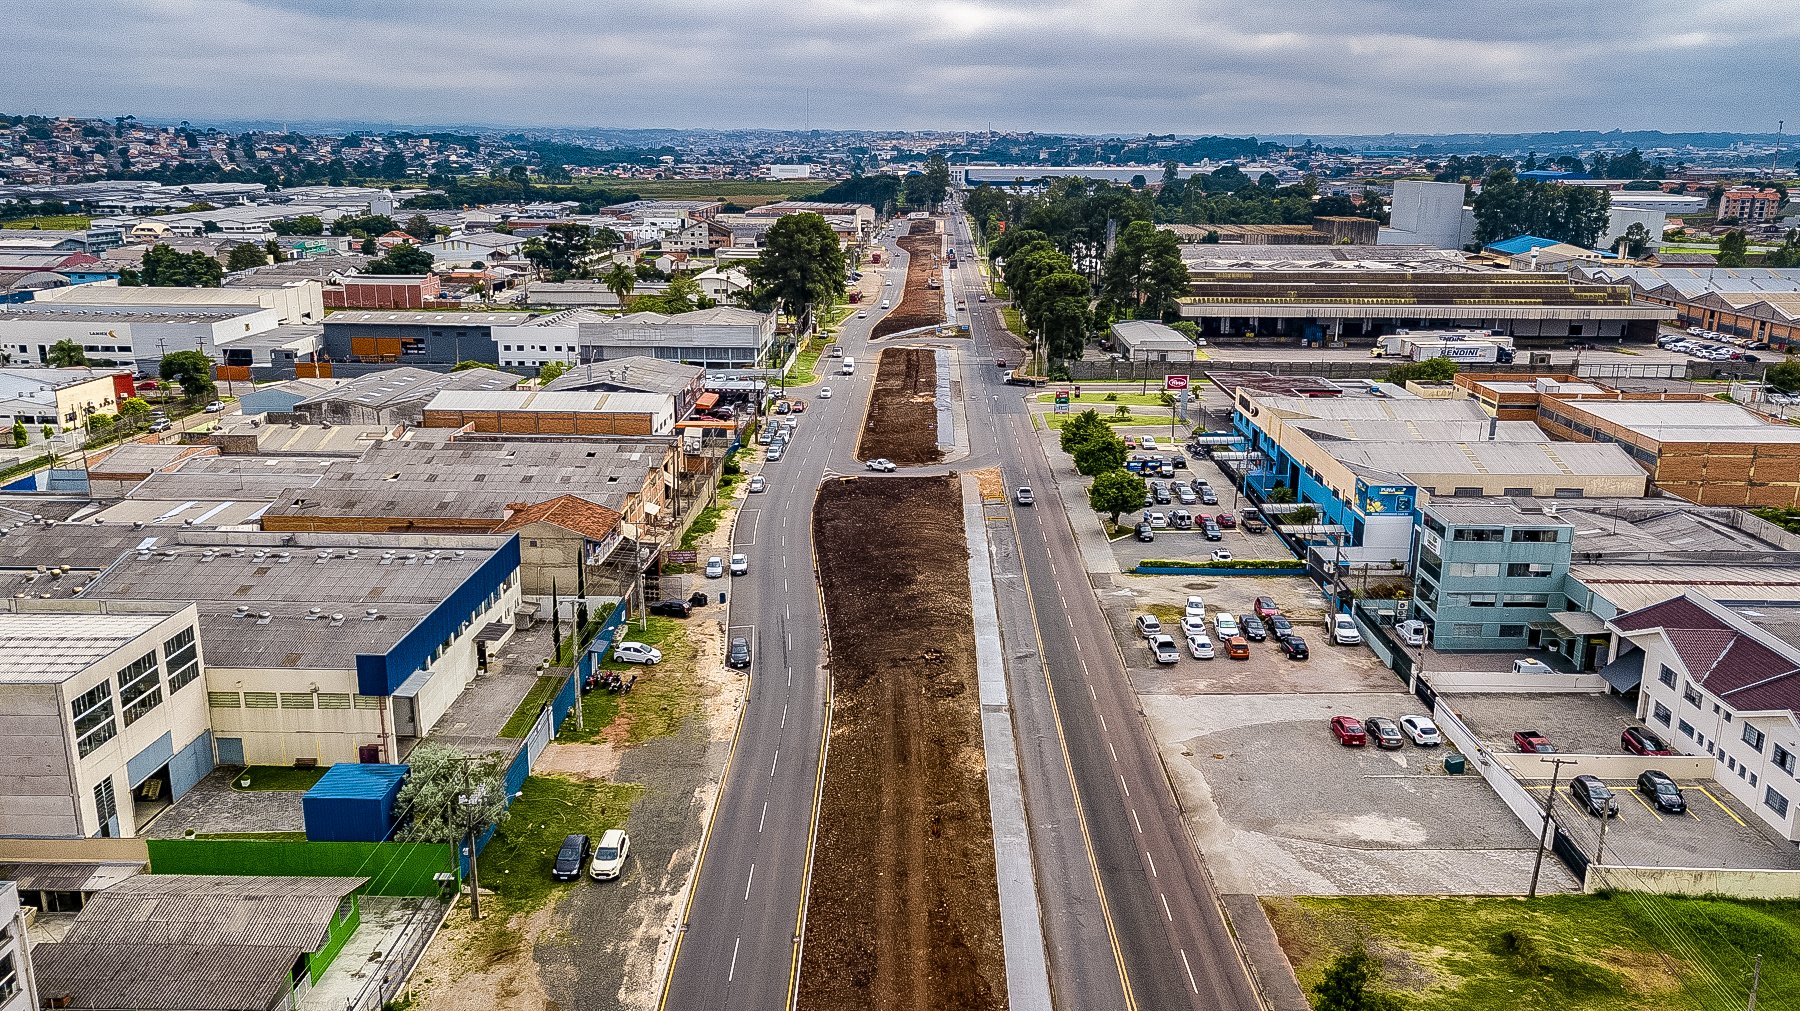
{"type": "Point", "coordinates": [571, 512]}
{"type": "Point", "coordinates": [1729, 661]}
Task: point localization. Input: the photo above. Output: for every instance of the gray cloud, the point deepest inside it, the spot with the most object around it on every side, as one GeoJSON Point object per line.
{"type": "Point", "coordinates": [1131, 66]}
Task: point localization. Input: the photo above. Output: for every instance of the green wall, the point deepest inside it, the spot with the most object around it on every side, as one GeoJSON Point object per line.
{"type": "Point", "coordinates": [392, 868]}
{"type": "Point", "coordinates": [335, 938]}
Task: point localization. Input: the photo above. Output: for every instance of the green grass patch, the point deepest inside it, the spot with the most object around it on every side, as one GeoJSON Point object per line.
{"type": "Point", "coordinates": [747, 192]}
{"type": "Point", "coordinates": [805, 370]}
{"type": "Point", "coordinates": [516, 863]}
{"type": "Point", "coordinates": [1057, 421]}
{"type": "Point", "coordinates": [1574, 952]}
{"type": "Point", "coordinates": [999, 287]}
{"type": "Point", "coordinates": [1104, 402]}
{"type": "Point", "coordinates": [278, 778]}
{"type": "Point", "coordinates": [254, 836]}
{"type": "Point", "coordinates": [519, 724]}
{"type": "Point", "coordinates": [663, 696]}
{"type": "Point", "coordinates": [1010, 316]}
{"type": "Point", "coordinates": [51, 222]}
{"type": "Point", "coordinates": [1168, 614]}
{"type": "Point", "coordinates": [705, 523]}
{"type": "Point", "coordinates": [24, 467]}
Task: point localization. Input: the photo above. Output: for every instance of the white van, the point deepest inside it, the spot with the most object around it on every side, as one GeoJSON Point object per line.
{"type": "Point", "coordinates": [849, 368]}
{"type": "Point", "coordinates": [885, 304]}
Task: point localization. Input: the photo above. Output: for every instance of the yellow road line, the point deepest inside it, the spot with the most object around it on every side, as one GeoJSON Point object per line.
{"type": "Point", "coordinates": [1646, 805]}
{"type": "Point", "coordinates": [1722, 806]}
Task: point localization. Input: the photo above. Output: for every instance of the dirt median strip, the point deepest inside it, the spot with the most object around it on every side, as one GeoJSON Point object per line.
{"type": "Point", "coordinates": [920, 304]}
{"type": "Point", "coordinates": [902, 421]}
{"type": "Point", "coordinates": [904, 907]}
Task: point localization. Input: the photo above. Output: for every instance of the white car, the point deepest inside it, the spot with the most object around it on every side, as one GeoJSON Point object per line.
{"type": "Point", "coordinates": [1224, 625]}
{"type": "Point", "coordinates": [1192, 626]}
{"type": "Point", "coordinates": [1147, 442]}
{"type": "Point", "coordinates": [1411, 632]}
{"type": "Point", "coordinates": [610, 855]}
{"type": "Point", "coordinates": [740, 565]}
{"type": "Point", "coordinates": [825, 393]}
{"type": "Point", "coordinates": [215, 407]}
{"type": "Point", "coordinates": [1159, 521]}
{"type": "Point", "coordinates": [882, 464]}
{"type": "Point", "coordinates": [1423, 732]}
{"type": "Point", "coordinates": [637, 652]}
{"type": "Point", "coordinates": [1221, 555]}
{"type": "Point", "coordinates": [757, 484]}
{"type": "Point", "coordinates": [1344, 631]}
{"type": "Point", "coordinates": [1196, 608]}
{"type": "Point", "coordinates": [715, 567]}
{"type": "Point", "coordinates": [1148, 626]}
{"type": "Point", "coordinates": [1200, 647]}
{"type": "Point", "coordinates": [863, 315]}
{"type": "Point", "coordinates": [1163, 649]}
{"type": "Point", "coordinates": [1531, 667]}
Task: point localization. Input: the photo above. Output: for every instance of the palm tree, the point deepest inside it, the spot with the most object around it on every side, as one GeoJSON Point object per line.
{"type": "Point", "coordinates": [620, 280]}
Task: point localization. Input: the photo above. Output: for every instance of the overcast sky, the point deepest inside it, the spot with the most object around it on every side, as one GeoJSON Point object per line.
{"type": "Point", "coordinates": [1127, 66]}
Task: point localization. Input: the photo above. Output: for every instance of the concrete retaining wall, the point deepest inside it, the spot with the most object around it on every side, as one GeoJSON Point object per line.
{"type": "Point", "coordinates": [1507, 681]}
{"type": "Point", "coordinates": [1527, 808]}
{"type": "Point", "coordinates": [1610, 767]}
{"type": "Point", "coordinates": [1739, 884]}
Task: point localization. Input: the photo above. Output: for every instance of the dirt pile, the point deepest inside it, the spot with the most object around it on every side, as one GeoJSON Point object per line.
{"type": "Point", "coordinates": [902, 421]}
{"type": "Point", "coordinates": [920, 304]}
{"type": "Point", "coordinates": [904, 910]}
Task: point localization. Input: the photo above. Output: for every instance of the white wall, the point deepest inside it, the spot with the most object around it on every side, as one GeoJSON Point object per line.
{"type": "Point", "coordinates": [277, 735]}
{"type": "Point", "coordinates": [1427, 213]}
{"type": "Point", "coordinates": [1619, 219]}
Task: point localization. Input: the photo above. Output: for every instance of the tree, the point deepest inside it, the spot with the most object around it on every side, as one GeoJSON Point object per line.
{"type": "Point", "coordinates": [1081, 428]}
{"type": "Point", "coordinates": [1115, 492]}
{"type": "Point", "coordinates": [67, 354]}
{"type": "Point", "coordinates": [99, 426]}
{"type": "Point", "coordinates": [466, 366]}
{"type": "Point", "coordinates": [562, 249]}
{"type": "Point", "coordinates": [1100, 454]}
{"type": "Point", "coordinates": [1431, 370]}
{"type": "Point", "coordinates": [683, 295]}
{"type": "Point", "coordinates": [1636, 240]}
{"type": "Point", "coordinates": [802, 264]}
{"type": "Point", "coordinates": [20, 434]}
{"type": "Point", "coordinates": [1784, 375]}
{"type": "Point", "coordinates": [402, 258]}
{"type": "Point", "coordinates": [1061, 313]}
{"type": "Point", "coordinates": [937, 179]}
{"type": "Point", "coordinates": [549, 371]}
{"type": "Point", "coordinates": [368, 247]}
{"type": "Point", "coordinates": [1787, 254]}
{"type": "Point", "coordinates": [1732, 247]}
{"type": "Point", "coordinates": [1145, 271]}
{"type": "Point", "coordinates": [620, 280]}
{"type": "Point", "coordinates": [305, 224]}
{"type": "Point", "coordinates": [134, 412]}
{"type": "Point", "coordinates": [1508, 206]}
{"type": "Point", "coordinates": [191, 370]}
{"type": "Point", "coordinates": [246, 256]}
{"type": "Point", "coordinates": [166, 268]}
{"type": "Point", "coordinates": [1302, 515]}
{"type": "Point", "coordinates": [420, 227]}
{"type": "Point", "coordinates": [451, 794]}
{"type": "Point", "coordinates": [1349, 985]}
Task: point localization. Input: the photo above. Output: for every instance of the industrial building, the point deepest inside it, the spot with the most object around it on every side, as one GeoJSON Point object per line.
{"type": "Point", "coordinates": [416, 338]}
{"type": "Point", "coordinates": [60, 398]}
{"type": "Point", "coordinates": [1694, 446]}
{"type": "Point", "coordinates": [1142, 340]}
{"type": "Point", "coordinates": [295, 301]}
{"type": "Point", "coordinates": [568, 412]}
{"type": "Point", "coordinates": [1761, 303]}
{"type": "Point", "coordinates": [1429, 214]}
{"type": "Point", "coordinates": [719, 338]}
{"type": "Point", "coordinates": [135, 335]}
{"type": "Point", "coordinates": [394, 396]}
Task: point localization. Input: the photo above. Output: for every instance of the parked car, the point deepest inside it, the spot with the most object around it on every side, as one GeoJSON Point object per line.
{"type": "Point", "coordinates": [1252, 628]}
{"type": "Point", "coordinates": [1208, 497]}
{"type": "Point", "coordinates": [1662, 791]}
{"type": "Point", "coordinates": [1225, 624]}
{"type": "Point", "coordinates": [1280, 627]}
{"type": "Point", "coordinates": [1192, 626]}
{"type": "Point", "coordinates": [1639, 741]}
{"type": "Point", "coordinates": [1384, 732]}
{"type": "Point", "coordinates": [740, 565]}
{"type": "Point", "coordinates": [764, 437]}
{"type": "Point", "coordinates": [737, 656]}
{"type": "Point", "coordinates": [1200, 647]}
{"type": "Point", "coordinates": [758, 484]}
{"type": "Point", "coordinates": [1237, 648]}
{"type": "Point", "coordinates": [215, 407]}
{"type": "Point", "coordinates": [783, 407]}
{"type": "Point", "coordinates": [1148, 626]}
{"type": "Point", "coordinates": [715, 567]}
{"type": "Point", "coordinates": [610, 855]}
{"type": "Point", "coordinates": [161, 426]}
{"type": "Point", "coordinates": [1145, 532]}
{"type": "Point", "coordinates": [1211, 529]}
{"type": "Point", "coordinates": [1158, 520]}
{"type": "Point", "coordinates": [1181, 519]}
{"type": "Point", "coordinates": [1195, 607]}
{"type": "Point", "coordinates": [1294, 647]}
{"type": "Point", "coordinates": [1226, 521]}
{"type": "Point", "coordinates": [637, 652]}
{"type": "Point", "coordinates": [1411, 632]}
{"type": "Point", "coordinates": [1593, 796]}
{"type": "Point", "coordinates": [1533, 742]}
{"type": "Point", "coordinates": [775, 452]}
{"type": "Point", "coordinates": [1022, 496]}
{"type": "Point", "coordinates": [1531, 667]}
{"type": "Point", "coordinates": [1186, 496]}
{"type": "Point", "coordinates": [882, 464]}
{"type": "Point", "coordinates": [671, 608]}
{"type": "Point", "coordinates": [1163, 649]}
{"type": "Point", "coordinates": [1221, 555]}
{"type": "Point", "coordinates": [1264, 607]}
{"type": "Point", "coordinates": [571, 858]}
{"type": "Point", "coordinates": [1344, 631]}
{"type": "Point", "coordinates": [1423, 732]}
{"type": "Point", "coordinates": [1349, 731]}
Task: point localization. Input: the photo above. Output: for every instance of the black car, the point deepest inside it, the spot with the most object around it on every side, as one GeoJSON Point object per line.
{"type": "Point", "coordinates": [1661, 790]}
{"type": "Point", "coordinates": [1294, 647]}
{"type": "Point", "coordinates": [1594, 797]}
{"type": "Point", "coordinates": [1212, 530]}
{"type": "Point", "coordinates": [1179, 461]}
{"type": "Point", "coordinates": [572, 859]}
{"type": "Point", "coordinates": [1145, 532]}
{"type": "Point", "coordinates": [671, 608]}
{"type": "Point", "coordinates": [1251, 628]}
{"type": "Point", "coordinates": [738, 656]}
{"type": "Point", "coordinates": [1280, 626]}
{"type": "Point", "coordinates": [1161, 495]}
{"type": "Point", "coordinates": [1383, 732]}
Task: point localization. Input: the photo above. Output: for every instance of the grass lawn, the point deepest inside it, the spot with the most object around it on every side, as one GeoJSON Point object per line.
{"type": "Point", "coordinates": [746, 192]}
{"type": "Point", "coordinates": [663, 697]}
{"type": "Point", "coordinates": [516, 863]}
{"type": "Point", "coordinates": [1104, 401]}
{"type": "Point", "coordinates": [1580, 953]}
{"type": "Point", "coordinates": [1057, 421]}
{"type": "Point", "coordinates": [519, 724]}
{"type": "Point", "coordinates": [278, 777]}
{"type": "Point", "coordinates": [51, 222]}
{"type": "Point", "coordinates": [1010, 316]}
{"type": "Point", "coordinates": [806, 364]}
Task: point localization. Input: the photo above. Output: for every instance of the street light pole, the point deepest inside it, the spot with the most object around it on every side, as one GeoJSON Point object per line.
{"type": "Point", "coordinates": [1544, 833]}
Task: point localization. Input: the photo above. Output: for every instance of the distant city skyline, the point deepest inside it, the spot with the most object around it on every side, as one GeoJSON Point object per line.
{"type": "Point", "coordinates": [1049, 66]}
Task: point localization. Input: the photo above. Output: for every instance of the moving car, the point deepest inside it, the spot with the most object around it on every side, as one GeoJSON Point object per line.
{"type": "Point", "coordinates": [161, 426]}
{"type": "Point", "coordinates": [1662, 791]}
{"type": "Point", "coordinates": [571, 858]}
{"type": "Point", "coordinates": [1349, 731]}
{"type": "Point", "coordinates": [740, 565]}
{"type": "Point", "coordinates": [1163, 649]}
{"type": "Point", "coordinates": [715, 567]}
{"type": "Point", "coordinates": [1639, 741]}
{"type": "Point", "coordinates": [1200, 647]}
{"type": "Point", "coordinates": [1022, 496]}
{"type": "Point", "coordinates": [1411, 632]}
{"type": "Point", "coordinates": [610, 855]}
{"type": "Point", "coordinates": [1252, 628]}
{"type": "Point", "coordinates": [1237, 648]}
{"type": "Point", "coordinates": [671, 608]}
{"type": "Point", "coordinates": [1225, 625]}
{"type": "Point", "coordinates": [824, 393]}
{"type": "Point", "coordinates": [637, 652]}
{"type": "Point", "coordinates": [1294, 647]}
{"type": "Point", "coordinates": [1264, 607]}
{"type": "Point", "coordinates": [1593, 796]}
{"type": "Point", "coordinates": [1344, 631]}
{"type": "Point", "coordinates": [1423, 732]}
{"type": "Point", "coordinates": [1533, 742]}
{"type": "Point", "coordinates": [882, 464]}
{"type": "Point", "coordinates": [737, 655]}
{"type": "Point", "coordinates": [757, 484]}
{"type": "Point", "coordinates": [1148, 626]}
{"type": "Point", "coordinates": [863, 315]}
{"type": "Point", "coordinates": [1384, 732]}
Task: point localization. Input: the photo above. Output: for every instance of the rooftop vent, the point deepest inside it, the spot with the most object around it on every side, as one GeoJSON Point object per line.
{"type": "Point", "coordinates": [263, 617]}
{"type": "Point", "coordinates": [241, 611]}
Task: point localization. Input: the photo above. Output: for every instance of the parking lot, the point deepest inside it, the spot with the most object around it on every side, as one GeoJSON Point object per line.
{"type": "Point", "coordinates": [1193, 544]}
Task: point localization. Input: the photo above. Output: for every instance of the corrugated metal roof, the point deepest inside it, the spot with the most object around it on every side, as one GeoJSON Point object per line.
{"type": "Point", "coordinates": [201, 909]}
{"type": "Point", "coordinates": [358, 781]}
{"type": "Point", "coordinates": [166, 977]}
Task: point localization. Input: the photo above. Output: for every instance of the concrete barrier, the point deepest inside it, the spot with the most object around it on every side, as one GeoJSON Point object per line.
{"type": "Point", "coordinates": [1507, 681]}
{"type": "Point", "coordinates": [1203, 570]}
{"type": "Point", "coordinates": [1735, 882]}
{"type": "Point", "coordinates": [1614, 768]}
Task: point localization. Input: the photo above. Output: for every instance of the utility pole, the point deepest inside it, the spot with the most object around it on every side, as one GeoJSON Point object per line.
{"type": "Point", "coordinates": [469, 840]}
{"type": "Point", "coordinates": [1600, 847]}
{"type": "Point", "coordinates": [1544, 834]}
{"type": "Point", "coordinates": [1755, 984]}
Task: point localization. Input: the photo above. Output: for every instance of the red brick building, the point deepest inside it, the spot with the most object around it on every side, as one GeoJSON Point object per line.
{"type": "Point", "coordinates": [383, 291]}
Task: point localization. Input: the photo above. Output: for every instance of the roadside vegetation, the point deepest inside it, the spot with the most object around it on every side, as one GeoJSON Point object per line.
{"type": "Point", "coordinates": [663, 696]}
{"type": "Point", "coordinates": [277, 778]}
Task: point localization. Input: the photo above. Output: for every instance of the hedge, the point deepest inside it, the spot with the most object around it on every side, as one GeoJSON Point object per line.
{"type": "Point", "coordinates": [1236, 563]}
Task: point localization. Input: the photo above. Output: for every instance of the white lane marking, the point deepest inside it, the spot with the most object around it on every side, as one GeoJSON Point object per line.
{"type": "Point", "coordinates": [1091, 694]}
{"type": "Point", "coordinates": [1190, 971]}
{"type": "Point", "coordinates": [1115, 752]}
{"type": "Point", "coordinates": [1103, 724]}
{"type": "Point", "coordinates": [1134, 818]}
{"type": "Point", "coordinates": [732, 971]}
{"type": "Point", "coordinates": [1152, 860]}
{"type": "Point", "coordinates": [764, 818]}
{"type": "Point", "coordinates": [1122, 786]}
{"type": "Point", "coordinates": [790, 677]}
{"type": "Point", "coordinates": [748, 882]}
{"type": "Point", "coordinates": [773, 763]}
{"type": "Point", "coordinates": [1165, 902]}
{"type": "Point", "coordinates": [784, 717]}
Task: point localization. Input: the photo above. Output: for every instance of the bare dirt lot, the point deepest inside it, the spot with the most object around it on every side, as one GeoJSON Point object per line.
{"type": "Point", "coordinates": [920, 304]}
{"type": "Point", "coordinates": [904, 910]}
{"type": "Point", "coordinates": [902, 420]}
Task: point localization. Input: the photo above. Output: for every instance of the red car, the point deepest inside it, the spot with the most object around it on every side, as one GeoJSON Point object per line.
{"type": "Point", "coordinates": [1532, 742]}
{"type": "Point", "coordinates": [1265, 608]}
{"type": "Point", "coordinates": [1226, 521]}
{"type": "Point", "coordinates": [1349, 731]}
{"type": "Point", "coordinates": [1639, 741]}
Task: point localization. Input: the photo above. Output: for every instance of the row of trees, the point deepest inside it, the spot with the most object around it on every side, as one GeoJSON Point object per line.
{"type": "Point", "coordinates": [1509, 206]}
{"type": "Point", "coordinates": [1100, 454]}
{"type": "Point", "coordinates": [1051, 296]}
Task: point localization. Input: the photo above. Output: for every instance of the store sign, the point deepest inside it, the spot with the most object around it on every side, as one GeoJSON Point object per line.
{"type": "Point", "coordinates": [1172, 383]}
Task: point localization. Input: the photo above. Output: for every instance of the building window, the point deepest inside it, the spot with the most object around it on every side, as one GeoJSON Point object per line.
{"type": "Point", "coordinates": [140, 687]}
{"type": "Point", "coordinates": [182, 656]}
{"type": "Point", "coordinates": [106, 806]}
{"type": "Point", "coordinates": [1466, 630]}
{"type": "Point", "coordinates": [1534, 536]}
{"type": "Point", "coordinates": [1526, 600]}
{"type": "Point", "coordinates": [1686, 728]}
{"type": "Point", "coordinates": [1784, 759]}
{"type": "Point", "coordinates": [1474, 570]}
{"type": "Point", "coordinates": [1477, 533]}
{"type": "Point", "coordinates": [1666, 675]}
{"type": "Point", "coordinates": [1775, 802]}
{"type": "Point", "coordinates": [1691, 696]}
{"type": "Point", "coordinates": [93, 713]}
{"type": "Point", "coordinates": [1512, 631]}
{"type": "Point", "coordinates": [1474, 599]}
{"type": "Point", "coordinates": [1753, 737]}
{"type": "Point", "coordinates": [1533, 569]}
{"type": "Point", "coordinates": [1662, 714]}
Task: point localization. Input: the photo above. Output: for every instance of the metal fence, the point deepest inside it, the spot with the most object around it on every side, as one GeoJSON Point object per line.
{"type": "Point", "coordinates": [389, 976]}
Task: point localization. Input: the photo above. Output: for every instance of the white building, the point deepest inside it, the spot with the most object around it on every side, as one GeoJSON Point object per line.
{"type": "Point", "coordinates": [790, 171]}
{"type": "Point", "coordinates": [1725, 682]}
{"type": "Point", "coordinates": [137, 335]}
{"type": "Point", "coordinates": [1142, 340]}
{"type": "Point", "coordinates": [1619, 220]}
{"type": "Point", "coordinates": [103, 718]}
{"type": "Point", "coordinates": [297, 301]}
{"type": "Point", "coordinates": [1429, 214]}
{"type": "Point", "coordinates": [17, 992]}
{"type": "Point", "coordinates": [719, 338]}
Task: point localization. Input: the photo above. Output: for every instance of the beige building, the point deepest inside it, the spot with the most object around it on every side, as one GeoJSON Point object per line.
{"type": "Point", "coordinates": [65, 398]}
{"type": "Point", "coordinates": [567, 543]}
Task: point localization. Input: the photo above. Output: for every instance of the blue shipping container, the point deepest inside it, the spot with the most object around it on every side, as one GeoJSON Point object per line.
{"type": "Point", "coordinates": [353, 803]}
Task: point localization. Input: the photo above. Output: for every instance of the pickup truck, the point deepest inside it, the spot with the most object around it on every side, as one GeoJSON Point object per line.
{"type": "Point", "coordinates": [1252, 523]}
{"type": "Point", "coordinates": [1532, 742]}
{"type": "Point", "coordinates": [1018, 377]}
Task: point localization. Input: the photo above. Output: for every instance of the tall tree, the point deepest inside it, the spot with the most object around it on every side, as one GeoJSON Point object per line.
{"type": "Point", "coordinates": [1145, 272]}
{"type": "Point", "coordinates": [164, 267]}
{"type": "Point", "coordinates": [401, 258]}
{"type": "Point", "coordinates": [67, 354]}
{"type": "Point", "coordinates": [1059, 311]}
{"type": "Point", "coordinates": [620, 280]}
{"type": "Point", "coordinates": [420, 227]}
{"type": "Point", "coordinates": [190, 370]}
{"type": "Point", "coordinates": [246, 256]}
{"type": "Point", "coordinates": [451, 794]}
{"type": "Point", "coordinates": [1115, 492]}
{"type": "Point", "coordinates": [1732, 248]}
{"type": "Point", "coordinates": [937, 179]}
{"type": "Point", "coordinates": [802, 264]}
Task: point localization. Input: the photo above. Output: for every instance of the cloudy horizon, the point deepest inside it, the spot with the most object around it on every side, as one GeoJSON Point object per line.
{"type": "Point", "coordinates": [1051, 66]}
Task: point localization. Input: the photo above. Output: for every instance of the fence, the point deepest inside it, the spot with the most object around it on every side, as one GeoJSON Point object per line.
{"type": "Point", "coordinates": [1376, 368]}
{"type": "Point", "coordinates": [398, 962]}
{"type": "Point", "coordinates": [393, 868]}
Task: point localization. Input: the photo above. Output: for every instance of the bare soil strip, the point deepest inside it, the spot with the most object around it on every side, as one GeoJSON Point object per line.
{"type": "Point", "coordinates": [920, 304]}
{"type": "Point", "coordinates": [904, 910]}
{"type": "Point", "coordinates": [902, 421]}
